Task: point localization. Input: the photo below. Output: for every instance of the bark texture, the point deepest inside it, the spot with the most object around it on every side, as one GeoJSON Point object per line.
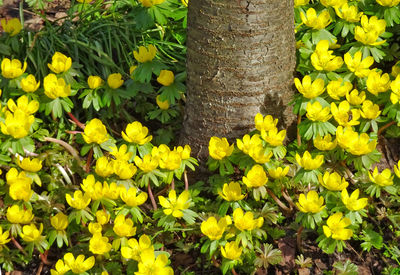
{"type": "Point", "coordinates": [240, 61]}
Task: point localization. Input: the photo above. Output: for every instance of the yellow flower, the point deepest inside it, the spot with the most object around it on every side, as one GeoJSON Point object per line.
{"type": "Point", "coordinates": [124, 170]}
{"type": "Point", "coordinates": [370, 30]}
{"type": "Point", "coordinates": [323, 60]}
{"type": "Point", "coordinates": [310, 203]}
{"type": "Point", "coordinates": [265, 123]}
{"type": "Point", "coordinates": [361, 145]}
{"type": "Point", "coordinates": [135, 248]}
{"type": "Point", "coordinates": [132, 70]}
{"type": "Point", "coordinates": [29, 84]}
{"type": "Point", "coordinates": [145, 54]}
{"type": "Point", "coordinates": [213, 229]}
{"type": "Point", "coordinates": [166, 77]}
{"type": "Point", "coordinates": [3, 238]}
{"type": "Point", "coordinates": [396, 169]}
{"type": "Point", "coordinates": [333, 3]}
{"type": "Point", "coordinates": [102, 217]}
{"type": "Point", "coordinates": [12, 68]}
{"type": "Point", "coordinates": [79, 201]}
{"type": "Point", "coordinates": [12, 26]}
{"type": "Point", "coordinates": [388, 3]}
{"type": "Point", "coordinates": [355, 98]}
{"type": "Point", "coordinates": [124, 227]}
{"type": "Point", "coordinates": [359, 67]}
{"type": "Point", "coordinates": [121, 153]}
{"type": "Point", "coordinates": [343, 115]}
{"type": "Point", "coordinates": [23, 104]}
{"type": "Point", "coordinates": [247, 142]}
{"type": "Point", "coordinates": [325, 143]}
{"type": "Point", "coordinates": [99, 244]}
{"type": "Point", "coordinates": [149, 264]}
{"type": "Point", "coordinates": [13, 177]}
{"type": "Point", "coordinates": [231, 192]}
{"type": "Point", "coordinates": [59, 221]}
{"type": "Point", "coordinates": [396, 69]}
{"type": "Point", "coordinates": [131, 198]}
{"type": "Point", "coordinates": [18, 124]}
{"type": "Point", "coordinates": [104, 167]}
{"type": "Point", "coordinates": [310, 89]}
{"type": "Point", "coordinates": [370, 110]}
{"type": "Point", "coordinates": [335, 227]}
{"type": "Point", "coordinates": [61, 268]}
{"type": "Point", "coordinates": [79, 265]}
{"type": "Point", "coordinates": [184, 151]}
{"type": "Point", "coordinates": [170, 160]}
{"type": "Point", "coordinates": [377, 83]}
{"type": "Point", "coordinates": [84, 1]}
{"type": "Point", "coordinates": [147, 164]}
{"type": "Point", "coordinates": [278, 172]}
{"type": "Point", "coordinates": [115, 81]}
{"type": "Point", "coordinates": [349, 13]}
{"type": "Point", "coordinates": [31, 234]}
{"type": "Point", "coordinates": [55, 87]}
{"type": "Point", "coordinates": [95, 228]}
{"type": "Point", "coordinates": [15, 214]}
{"type": "Point", "coordinates": [219, 148]}
{"type": "Point", "coordinates": [148, 4]}
{"type": "Point", "coordinates": [395, 86]}
{"type": "Point", "coordinates": [163, 105]}
{"type": "Point", "coordinates": [95, 132]}
{"type": "Point", "coordinates": [245, 221]}
{"type": "Point", "coordinates": [231, 251]}
{"type": "Point", "coordinates": [136, 133]}
{"type": "Point", "coordinates": [315, 112]}
{"type": "Point", "coordinates": [259, 154]}
{"type": "Point", "coordinates": [338, 88]}
{"type": "Point", "coordinates": [173, 206]}
{"type": "Point", "coordinates": [308, 162]}
{"type": "Point", "coordinates": [29, 165]}
{"type": "Point", "coordinates": [94, 81]}
{"type": "Point", "coordinates": [382, 179]}
{"type": "Point", "coordinates": [273, 137]}
{"type": "Point", "coordinates": [298, 3]}
{"type": "Point", "coordinates": [256, 177]}
{"type": "Point", "coordinates": [60, 63]}
{"type": "Point", "coordinates": [111, 191]}
{"type": "Point", "coordinates": [352, 203]}
{"type": "Point", "coordinates": [311, 19]}
{"type": "Point", "coordinates": [185, 2]}
{"type": "Point", "coordinates": [20, 188]}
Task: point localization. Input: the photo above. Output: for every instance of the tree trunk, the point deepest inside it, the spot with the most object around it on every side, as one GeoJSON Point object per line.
{"type": "Point", "coordinates": [240, 61]}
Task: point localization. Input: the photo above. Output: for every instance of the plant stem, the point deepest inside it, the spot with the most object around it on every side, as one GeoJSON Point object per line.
{"type": "Point", "coordinates": [76, 121]}
{"type": "Point", "coordinates": [185, 178]}
{"type": "Point", "coordinates": [384, 127]}
{"type": "Point", "coordinates": [234, 271]}
{"type": "Point", "coordinates": [278, 201]}
{"type": "Point", "coordinates": [214, 261]}
{"type": "Point", "coordinates": [17, 245]}
{"type": "Point", "coordinates": [153, 201]}
{"type": "Point", "coordinates": [69, 148]}
{"type": "Point", "coordinates": [298, 238]}
{"type": "Point", "coordinates": [348, 172]}
{"type": "Point", "coordinates": [298, 131]}
{"type": "Point", "coordinates": [89, 160]}
{"type": "Point", "coordinates": [43, 258]}
{"type": "Point", "coordinates": [288, 198]}
{"type": "Point", "coordinates": [173, 184]}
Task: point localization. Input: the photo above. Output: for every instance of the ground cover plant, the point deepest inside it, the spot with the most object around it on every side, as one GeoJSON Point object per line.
{"type": "Point", "coordinates": [93, 181]}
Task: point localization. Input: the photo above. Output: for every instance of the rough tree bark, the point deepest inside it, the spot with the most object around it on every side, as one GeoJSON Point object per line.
{"type": "Point", "coordinates": [240, 61]}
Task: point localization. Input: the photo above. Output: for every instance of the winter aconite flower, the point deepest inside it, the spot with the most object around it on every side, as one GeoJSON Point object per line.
{"type": "Point", "coordinates": [3, 238]}
{"type": "Point", "coordinates": [174, 206]}
{"type": "Point", "coordinates": [12, 68]}
{"type": "Point", "coordinates": [115, 81]}
{"type": "Point", "coordinates": [382, 179]}
{"type": "Point", "coordinates": [31, 234]}
{"type": "Point", "coordinates": [95, 132]}
{"type": "Point", "coordinates": [135, 248]}
{"type": "Point", "coordinates": [353, 203]}
{"type": "Point", "coordinates": [214, 229]}
{"type": "Point", "coordinates": [317, 22]}
{"type": "Point", "coordinates": [231, 192]}
{"type": "Point", "coordinates": [325, 143]}
{"type": "Point", "coordinates": [29, 165]}
{"type": "Point", "coordinates": [349, 13]}
{"type": "Point", "coordinates": [131, 198]}
{"type": "Point", "coordinates": [59, 221]}
{"type": "Point", "coordinates": [370, 110]}
{"type": "Point", "coordinates": [150, 264]}
{"type": "Point", "coordinates": [102, 217]}
{"type": "Point", "coordinates": [123, 169]}
{"type": "Point", "coordinates": [94, 81]}
{"type": "Point", "coordinates": [17, 124]}
{"type": "Point", "coordinates": [256, 177]}
{"type": "Point", "coordinates": [163, 105]}
{"type": "Point", "coordinates": [231, 251]}
{"type": "Point", "coordinates": [315, 112]}
{"type": "Point", "coordinates": [335, 227]}
{"type": "Point", "coordinates": [23, 104]}
{"type": "Point", "coordinates": [310, 89]}
{"type": "Point", "coordinates": [323, 60]}
{"type": "Point", "coordinates": [359, 67]}
{"type": "Point", "coordinates": [99, 244]}
{"type": "Point", "coordinates": [150, 3]}
{"type": "Point", "coordinates": [124, 227]}
{"type": "Point", "coordinates": [388, 3]}
{"type": "Point", "coordinates": [355, 98]}
{"type": "Point", "coordinates": [310, 203]}
{"type": "Point", "coordinates": [378, 82]}
{"type": "Point", "coordinates": [308, 162]}
{"type": "Point", "coordinates": [29, 84]}
{"type": "Point", "coordinates": [18, 215]}
{"type": "Point", "coordinates": [79, 201]}
{"type": "Point", "coordinates": [60, 268]}
{"type": "Point", "coordinates": [169, 160]}
{"type": "Point", "coordinates": [11, 26]}
{"type": "Point", "coordinates": [136, 133]}
{"type": "Point", "coordinates": [247, 142]}
{"type": "Point", "coordinates": [219, 148]}
{"type": "Point", "coordinates": [147, 164]}
{"type": "Point", "coordinates": [395, 86]}
{"type": "Point", "coordinates": [104, 167]}
{"type": "Point", "coordinates": [265, 123]}
{"type": "Point", "coordinates": [273, 137]}
{"type": "Point", "coordinates": [145, 54]}
{"type": "Point", "coordinates": [345, 116]}
{"type": "Point", "coordinates": [60, 63]}
{"type": "Point", "coordinates": [166, 77]}
{"type": "Point", "coordinates": [333, 181]}
{"type": "Point", "coordinates": [370, 30]}
{"type": "Point", "coordinates": [278, 172]}
{"type": "Point", "coordinates": [79, 265]}
{"type": "Point", "coordinates": [55, 87]}
{"type": "Point", "coordinates": [338, 88]}
{"type": "Point", "coordinates": [245, 221]}
{"type": "Point", "coordinates": [333, 3]}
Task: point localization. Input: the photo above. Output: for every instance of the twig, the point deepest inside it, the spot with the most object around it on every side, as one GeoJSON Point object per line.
{"type": "Point", "coordinates": [89, 160]}
{"type": "Point", "coordinates": [39, 271]}
{"type": "Point", "coordinates": [17, 245]}
{"type": "Point", "coordinates": [298, 238]}
{"type": "Point", "coordinates": [69, 148]}
{"type": "Point", "coordinates": [298, 130]}
{"type": "Point", "coordinates": [384, 127]}
{"type": "Point", "coordinates": [76, 121]}
{"type": "Point", "coordinates": [185, 178]}
{"type": "Point", "coordinates": [288, 199]}
{"type": "Point", "coordinates": [278, 201]}
{"type": "Point", "coordinates": [153, 201]}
